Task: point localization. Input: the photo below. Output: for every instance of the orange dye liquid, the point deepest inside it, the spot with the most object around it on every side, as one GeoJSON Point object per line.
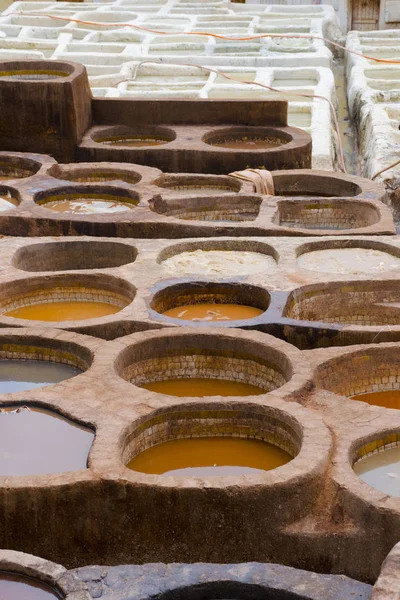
{"type": "Point", "coordinates": [135, 142]}
{"type": "Point", "coordinates": [199, 387]}
{"type": "Point", "coordinates": [213, 312]}
{"type": "Point", "coordinates": [388, 399]}
{"type": "Point", "coordinates": [248, 144]}
{"type": "Point", "coordinates": [204, 457]}
{"type": "Point", "coordinates": [63, 311]}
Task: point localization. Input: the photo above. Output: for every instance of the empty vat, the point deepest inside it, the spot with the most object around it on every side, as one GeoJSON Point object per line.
{"type": "Point", "coordinates": [37, 442]}
{"type": "Point", "coordinates": [73, 255]}
{"type": "Point", "coordinates": [17, 167]}
{"type": "Point", "coordinates": [208, 208]}
{"type": "Point", "coordinates": [198, 184]}
{"type": "Point", "coordinates": [95, 173]}
{"type": "Point", "coordinates": [331, 214]}
{"type": "Point", "coordinates": [14, 586]}
{"type": "Point", "coordinates": [357, 303]}
{"type": "Point", "coordinates": [309, 183]}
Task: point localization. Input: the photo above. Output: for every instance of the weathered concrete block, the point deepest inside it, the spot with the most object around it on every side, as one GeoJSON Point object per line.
{"type": "Point", "coordinates": [44, 105]}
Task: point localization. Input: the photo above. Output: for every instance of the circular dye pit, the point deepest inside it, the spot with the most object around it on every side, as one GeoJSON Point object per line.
{"type": "Point", "coordinates": [134, 137]}
{"type": "Point", "coordinates": [17, 167]}
{"type": "Point", "coordinates": [213, 312]}
{"type": "Point", "coordinates": [7, 202]}
{"type": "Point", "coordinates": [225, 207]}
{"type": "Point", "coordinates": [65, 297]}
{"type": "Point", "coordinates": [224, 263]}
{"type": "Point", "coordinates": [182, 185]}
{"type": "Point", "coordinates": [348, 261]}
{"type": "Point", "coordinates": [76, 310]}
{"type": "Point", "coordinates": [133, 141]}
{"type": "Point", "coordinates": [211, 456]}
{"type": "Point", "coordinates": [334, 215]}
{"type": "Point", "coordinates": [200, 364]}
{"type": "Point", "coordinates": [90, 204]}
{"type": "Point", "coordinates": [19, 587]}
{"type": "Point", "coordinates": [198, 387]}
{"type": "Point", "coordinates": [37, 442]}
{"type": "Point", "coordinates": [20, 375]}
{"type": "Point", "coordinates": [82, 174]}
{"type": "Point", "coordinates": [73, 255]}
{"type": "Point", "coordinates": [386, 399]}
{"type": "Point", "coordinates": [211, 301]}
{"type": "Point", "coordinates": [247, 139]}
{"type": "Point", "coordinates": [381, 470]}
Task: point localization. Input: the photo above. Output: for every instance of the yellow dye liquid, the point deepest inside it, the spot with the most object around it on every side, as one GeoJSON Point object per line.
{"type": "Point", "coordinates": [388, 399]}
{"type": "Point", "coordinates": [213, 312]}
{"type": "Point", "coordinates": [63, 311]}
{"type": "Point", "coordinates": [199, 387]}
{"type": "Point", "coordinates": [204, 457]}
{"type": "Point", "coordinates": [135, 142]}
{"type": "Point", "coordinates": [248, 144]}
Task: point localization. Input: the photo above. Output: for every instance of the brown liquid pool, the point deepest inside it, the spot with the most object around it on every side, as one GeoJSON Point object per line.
{"type": "Point", "coordinates": [381, 471]}
{"type": "Point", "coordinates": [213, 312]}
{"type": "Point", "coordinates": [134, 142]}
{"type": "Point", "coordinates": [36, 442]}
{"type": "Point", "coordinates": [199, 387]}
{"type": "Point", "coordinates": [204, 457]}
{"type": "Point", "coordinates": [388, 399]}
{"type": "Point", "coordinates": [88, 206]}
{"type": "Point", "coordinates": [19, 587]}
{"type": "Point", "coordinates": [247, 143]}
{"type": "Point", "coordinates": [20, 375]}
{"type": "Point", "coordinates": [63, 311]}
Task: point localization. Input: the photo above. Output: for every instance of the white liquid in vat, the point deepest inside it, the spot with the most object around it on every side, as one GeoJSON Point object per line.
{"type": "Point", "coordinates": [224, 263]}
{"type": "Point", "coordinates": [348, 261]}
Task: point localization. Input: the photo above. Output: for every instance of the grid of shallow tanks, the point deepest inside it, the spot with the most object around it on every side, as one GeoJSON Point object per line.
{"type": "Point", "coordinates": [199, 353]}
